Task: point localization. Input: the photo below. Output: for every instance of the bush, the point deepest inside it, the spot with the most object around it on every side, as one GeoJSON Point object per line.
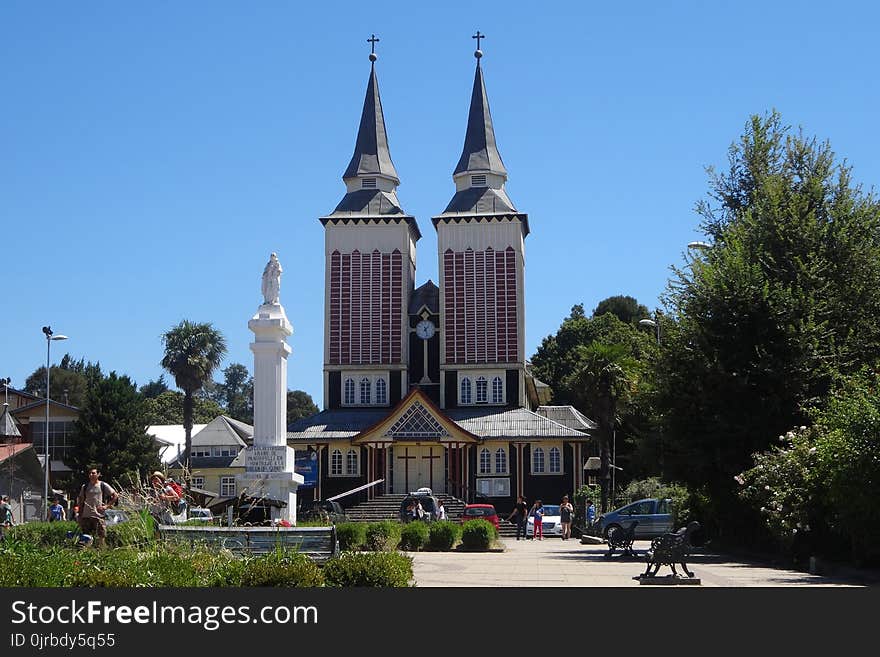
{"type": "Point", "coordinates": [351, 535]}
{"type": "Point", "coordinates": [414, 536]}
{"type": "Point", "coordinates": [138, 531]}
{"type": "Point", "coordinates": [443, 535]}
{"type": "Point", "coordinates": [477, 535]}
{"type": "Point", "coordinates": [281, 568]}
{"type": "Point", "coordinates": [44, 534]}
{"type": "Point", "coordinates": [380, 569]}
{"type": "Point", "coordinates": [383, 536]}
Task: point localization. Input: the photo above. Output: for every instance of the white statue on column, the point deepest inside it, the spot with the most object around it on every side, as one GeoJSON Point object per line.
{"type": "Point", "coordinates": [269, 461]}
{"type": "Point", "coordinates": [272, 281]}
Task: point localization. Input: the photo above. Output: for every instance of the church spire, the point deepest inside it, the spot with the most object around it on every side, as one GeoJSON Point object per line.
{"type": "Point", "coordinates": [480, 154]}
{"type": "Point", "coordinates": [371, 157]}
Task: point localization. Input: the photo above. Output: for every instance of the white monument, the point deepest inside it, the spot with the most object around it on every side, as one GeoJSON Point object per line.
{"type": "Point", "coordinates": [269, 462]}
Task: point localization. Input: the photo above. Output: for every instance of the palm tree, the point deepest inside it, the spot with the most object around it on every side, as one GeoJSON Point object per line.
{"type": "Point", "coordinates": [192, 353]}
{"type": "Point", "coordinates": [603, 380]}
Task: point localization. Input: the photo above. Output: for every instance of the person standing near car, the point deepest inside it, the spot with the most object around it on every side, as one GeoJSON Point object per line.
{"type": "Point", "coordinates": [440, 513]}
{"type": "Point", "coordinates": [566, 511]}
{"type": "Point", "coordinates": [591, 514]}
{"type": "Point", "coordinates": [537, 512]}
{"type": "Point", "coordinates": [520, 515]}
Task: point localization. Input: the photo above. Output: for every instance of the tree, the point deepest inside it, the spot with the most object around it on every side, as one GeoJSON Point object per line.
{"type": "Point", "coordinates": [299, 404]}
{"type": "Point", "coordinates": [192, 353]}
{"type": "Point", "coordinates": [167, 408]}
{"type": "Point", "coordinates": [625, 308]}
{"type": "Point", "coordinates": [153, 389]}
{"type": "Point", "coordinates": [603, 381]}
{"type": "Point", "coordinates": [779, 308]}
{"type": "Point", "coordinates": [236, 393]}
{"type": "Point", "coordinates": [110, 431]}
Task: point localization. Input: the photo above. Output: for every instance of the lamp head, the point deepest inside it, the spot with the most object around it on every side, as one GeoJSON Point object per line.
{"type": "Point", "coordinates": [48, 331]}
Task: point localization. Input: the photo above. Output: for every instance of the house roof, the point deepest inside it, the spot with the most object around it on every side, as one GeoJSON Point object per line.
{"type": "Point", "coordinates": [222, 431]}
{"type": "Point", "coordinates": [21, 410]}
{"type": "Point", "coordinates": [13, 450]}
{"type": "Point", "coordinates": [569, 416]}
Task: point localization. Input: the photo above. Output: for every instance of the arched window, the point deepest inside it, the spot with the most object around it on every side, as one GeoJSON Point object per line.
{"type": "Point", "coordinates": [485, 461]}
{"type": "Point", "coordinates": [555, 460]}
{"type": "Point", "coordinates": [497, 390]}
{"type": "Point", "coordinates": [500, 461]}
{"type": "Point", "coordinates": [381, 391]}
{"type": "Point", "coordinates": [351, 462]}
{"type": "Point", "coordinates": [465, 391]}
{"type": "Point", "coordinates": [482, 390]}
{"type": "Point", "coordinates": [335, 462]}
{"type": "Point", "coordinates": [365, 391]}
{"type": "Point", "coordinates": [348, 392]}
{"type": "Point", "coordinates": [538, 460]}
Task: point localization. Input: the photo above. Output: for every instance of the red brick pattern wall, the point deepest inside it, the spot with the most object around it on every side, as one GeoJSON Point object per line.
{"type": "Point", "coordinates": [366, 308]}
{"type": "Point", "coordinates": [480, 306]}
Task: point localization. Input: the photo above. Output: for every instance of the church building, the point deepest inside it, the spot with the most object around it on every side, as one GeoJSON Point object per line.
{"type": "Point", "coordinates": [429, 386]}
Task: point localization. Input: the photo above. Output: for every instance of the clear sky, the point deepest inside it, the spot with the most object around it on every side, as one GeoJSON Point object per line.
{"type": "Point", "coordinates": [153, 154]}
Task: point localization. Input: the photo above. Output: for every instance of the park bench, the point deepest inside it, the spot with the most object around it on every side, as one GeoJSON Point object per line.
{"type": "Point", "coordinates": [670, 549]}
{"type": "Point", "coordinates": [621, 538]}
{"type": "Point", "coordinates": [318, 543]}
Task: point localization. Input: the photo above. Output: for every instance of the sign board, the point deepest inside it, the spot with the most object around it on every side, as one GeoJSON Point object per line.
{"type": "Point", "coordinates": [266, 459]}
{"type": "Point", "coordinates": [26, 494]}
{"type": "Point", "coordinates": [306, 464]}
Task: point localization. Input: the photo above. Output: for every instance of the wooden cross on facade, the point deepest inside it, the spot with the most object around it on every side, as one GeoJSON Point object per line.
{"type": "Point", "coordinates": [406, 459]}
{"type": "Point", "coordinates": [430, 457]}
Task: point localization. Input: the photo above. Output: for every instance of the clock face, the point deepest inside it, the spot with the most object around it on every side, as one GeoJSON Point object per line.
{"type": "Point", "coordinates": [425, 329]}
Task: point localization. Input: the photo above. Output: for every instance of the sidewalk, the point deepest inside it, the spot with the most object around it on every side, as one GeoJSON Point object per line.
{"type": "Point", "coordinates": [557, 563]}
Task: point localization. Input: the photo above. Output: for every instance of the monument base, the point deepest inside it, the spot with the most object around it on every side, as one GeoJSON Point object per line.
{"type": "Point", "coordinates": [275, 486]}
{"type": "Point", "coordinates": [668, 580]}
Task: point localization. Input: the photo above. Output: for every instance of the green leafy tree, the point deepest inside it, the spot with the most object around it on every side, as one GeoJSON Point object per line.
{"type": "Point", "coordinates": [153, 389]}
{"type": "Point", "coordinates": [167, 408]}
{"type": "Point", "coordinates": [781, 306]}
{"type": "Point", "coordinates": [603, 381]}
{"type": "Point", "coordinates": [299, 404]}
{"type": "Point", "coordinates": [236, 393]}
{"type": "Point", "coordinates": [192, 352]}
{"type": "Point", "coordinates": [627, 309]}
{"type": "Point", "coordinates": [110, 431]}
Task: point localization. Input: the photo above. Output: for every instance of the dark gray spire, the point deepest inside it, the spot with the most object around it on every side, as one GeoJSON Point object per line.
{"type": "Point", "coordinates": [371, 155]}
{"type": "Point", "coordinates": [480, 154]}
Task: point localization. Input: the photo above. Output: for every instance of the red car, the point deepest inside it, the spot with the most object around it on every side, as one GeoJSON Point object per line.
{"type": "Point", "coordinates": [480, 512]}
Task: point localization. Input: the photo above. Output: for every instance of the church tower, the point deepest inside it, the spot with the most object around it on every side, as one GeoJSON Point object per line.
{"type": "Point", "coordinates": [370, 259]}
{"type": "Point", "coordinates": [480, 238]}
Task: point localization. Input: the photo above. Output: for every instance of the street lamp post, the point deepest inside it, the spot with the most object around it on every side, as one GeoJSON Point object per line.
{"type": "Point", "coordinates": [49, 337]}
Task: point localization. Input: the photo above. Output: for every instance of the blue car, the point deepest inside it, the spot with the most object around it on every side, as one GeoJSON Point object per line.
{"type": "Point", "coordinates": [653, 515]}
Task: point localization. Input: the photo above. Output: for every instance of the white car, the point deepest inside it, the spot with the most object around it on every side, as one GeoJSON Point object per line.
{"type": "Point", "coordinates": [551, 525]}
{"type": "Point", "coordinates": [201, 514]}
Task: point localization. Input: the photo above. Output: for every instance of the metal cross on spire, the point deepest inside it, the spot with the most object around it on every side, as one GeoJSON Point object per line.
{"type": "Point", "coordinates": [373, 40]}
{"type": "Point", "coordinates": [478, 36]}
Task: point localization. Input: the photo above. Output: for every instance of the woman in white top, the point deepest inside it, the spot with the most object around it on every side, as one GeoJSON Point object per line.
{"type": "Point", "coordinates": [441, 511]}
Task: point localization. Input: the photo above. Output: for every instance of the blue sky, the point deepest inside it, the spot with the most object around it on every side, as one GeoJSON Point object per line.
{"type": "Point", "coordinates": [153, 154]}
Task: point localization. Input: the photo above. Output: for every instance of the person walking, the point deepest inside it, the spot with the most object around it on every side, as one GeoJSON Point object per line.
{"type": "Point", "coordinates": [591, 514]}
{"type": "Point", "coordinates": [56, 511]}
{"type": "Point", "coordinates": [94, 498]}
{"type": "Point", "coordinates": [441, 511]}
{"type": "Point", "coordinates": [520, 516]}
{"type": "Point", "coordinates": [537, 513]}
{"type": "Point", "coordinates": [566, 512]}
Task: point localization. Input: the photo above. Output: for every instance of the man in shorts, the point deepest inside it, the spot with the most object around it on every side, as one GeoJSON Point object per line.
{"type": "Point", "coordinates": [94, 498]}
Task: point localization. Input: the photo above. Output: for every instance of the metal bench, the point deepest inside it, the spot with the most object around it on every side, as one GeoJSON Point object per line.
{"type": "Point", "coordinates": [318, 543]}
{"type": "Point", "coordinates": [670, 549]}
{"type": "Point", "coordinates": [620, 538]}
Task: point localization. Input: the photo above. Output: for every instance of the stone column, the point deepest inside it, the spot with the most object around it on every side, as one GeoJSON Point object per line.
{"type": "Point", "coordinates": [269, 462]}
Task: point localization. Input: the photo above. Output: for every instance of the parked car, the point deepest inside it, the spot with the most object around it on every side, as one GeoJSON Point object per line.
{"type": "Point", "coordinates": [114, 517]}
{"type": "Point", "coordinates": [551, 526]}
{"type": "Point", "coordinates": [201, 514]}
{"type": "Point", "coordinates": [480, 512]}
{"type": "Point", "coordinates": [429, 505]}
{"type": "Point", "coordinates": [322, 510]}
{"type": "Point", "coordinates": [653, 515]}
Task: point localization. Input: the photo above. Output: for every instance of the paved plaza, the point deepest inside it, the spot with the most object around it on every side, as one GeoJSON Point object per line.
{"type": "Point", "coordinates": [556, 563]}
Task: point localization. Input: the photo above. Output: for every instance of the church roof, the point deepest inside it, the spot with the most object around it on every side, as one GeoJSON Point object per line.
{"type": "Point", "coordinates": [480, 153]}
{"type": "Point", "coordinates": [368, 203]}
{"type": "Point", "coordinates": [480, 201]}
{"type": "Point", "coordinates": [426, 295]}
{"type": "Point", "coordinates": [371, 154]}
{"type": "Point", "coordinates": [486, 422]}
